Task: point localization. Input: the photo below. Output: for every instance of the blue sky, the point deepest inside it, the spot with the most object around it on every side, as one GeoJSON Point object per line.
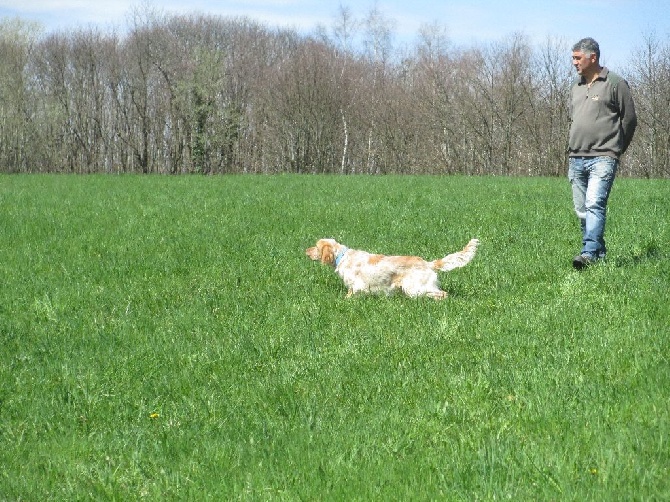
{"type": "Point", "coordinates": [620, 26]}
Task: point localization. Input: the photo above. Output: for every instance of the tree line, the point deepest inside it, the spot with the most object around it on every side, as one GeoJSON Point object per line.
{"type": "Point", "coordinates": [205, 94]}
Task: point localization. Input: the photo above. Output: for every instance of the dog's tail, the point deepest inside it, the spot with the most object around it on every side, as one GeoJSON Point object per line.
{"type": "Point", "coordinates": [458, 259]}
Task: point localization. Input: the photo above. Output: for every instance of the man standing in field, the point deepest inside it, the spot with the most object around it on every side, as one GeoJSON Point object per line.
{"type": "Point", "coordinates": [603, 122]}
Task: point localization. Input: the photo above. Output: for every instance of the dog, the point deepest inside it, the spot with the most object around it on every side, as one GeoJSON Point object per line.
{"type": "Point", "coordinates": [363, 272]}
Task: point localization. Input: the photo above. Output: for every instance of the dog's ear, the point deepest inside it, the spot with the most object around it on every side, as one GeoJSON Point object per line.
{"type": "Point", "coordinates": [327, 254]}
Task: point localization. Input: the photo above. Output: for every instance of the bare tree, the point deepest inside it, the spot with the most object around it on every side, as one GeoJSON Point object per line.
{"type": "Point", "coordinates": [651, 87]}
{"type": "Point", "coordinates": [17, 45]}
{"type": "Point", "coordinates": [435, 92]}
{"type": "Point", "coordinates": [206, 94]}
{"type": "Point", "coordinates": [378, 43]}
{"type": "Point", "coordinates": [546, 125]}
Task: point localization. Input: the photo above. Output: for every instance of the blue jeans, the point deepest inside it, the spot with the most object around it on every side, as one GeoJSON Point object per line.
{"type": "Point", "coordinates": [591, 179]}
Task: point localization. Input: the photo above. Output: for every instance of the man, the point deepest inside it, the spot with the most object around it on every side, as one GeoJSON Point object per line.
{"type": "Point", "coordinates": [603, 121]}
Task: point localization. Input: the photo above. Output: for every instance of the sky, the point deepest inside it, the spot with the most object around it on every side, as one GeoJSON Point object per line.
{"type": "Point", "coordinates": [620, 26]}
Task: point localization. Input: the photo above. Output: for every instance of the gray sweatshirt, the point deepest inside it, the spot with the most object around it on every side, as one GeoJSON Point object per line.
{"type": "Point", "coordinates": [602, 117]}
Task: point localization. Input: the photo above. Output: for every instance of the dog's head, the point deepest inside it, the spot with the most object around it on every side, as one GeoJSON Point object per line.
{"type": "Point", "coordinates": [325, 250]}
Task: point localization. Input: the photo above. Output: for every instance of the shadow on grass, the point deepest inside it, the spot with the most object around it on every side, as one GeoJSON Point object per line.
{"type": "Point", "coordinates": [647, 252]}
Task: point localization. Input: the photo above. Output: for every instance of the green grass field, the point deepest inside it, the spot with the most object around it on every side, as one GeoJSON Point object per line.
{"type": "Point", "coordinates": [166, 338]}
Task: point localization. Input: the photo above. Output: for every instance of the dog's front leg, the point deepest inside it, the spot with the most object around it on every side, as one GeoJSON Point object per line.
{"type": "Point", "coordinates": [437, 295]}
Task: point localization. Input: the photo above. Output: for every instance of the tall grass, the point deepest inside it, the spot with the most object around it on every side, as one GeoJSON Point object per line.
{"type": "Point", "coordinates": [167, 338]}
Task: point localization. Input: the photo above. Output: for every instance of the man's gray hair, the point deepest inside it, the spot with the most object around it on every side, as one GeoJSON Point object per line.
{"type": "Point", "coordinates": [587, 46]}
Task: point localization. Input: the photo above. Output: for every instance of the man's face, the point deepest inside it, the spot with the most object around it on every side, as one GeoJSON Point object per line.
{"type": "Point", "coordinates": [584, 63]}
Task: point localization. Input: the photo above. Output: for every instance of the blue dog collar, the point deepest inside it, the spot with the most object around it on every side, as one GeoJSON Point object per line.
{"type": "Point", "coordinates": [340, 255]}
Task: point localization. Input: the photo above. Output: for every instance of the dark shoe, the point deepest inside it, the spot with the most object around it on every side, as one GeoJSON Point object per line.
{"type": "Point", "coordinates": [582, 261]}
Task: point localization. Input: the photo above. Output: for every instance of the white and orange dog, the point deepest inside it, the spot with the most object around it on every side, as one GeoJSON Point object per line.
{"type": "Point", "coordinates": [376, 273]}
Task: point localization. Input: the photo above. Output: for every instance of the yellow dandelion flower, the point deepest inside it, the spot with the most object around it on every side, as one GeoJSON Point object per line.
{"type": "Point", "coordinates": [154, 415]}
